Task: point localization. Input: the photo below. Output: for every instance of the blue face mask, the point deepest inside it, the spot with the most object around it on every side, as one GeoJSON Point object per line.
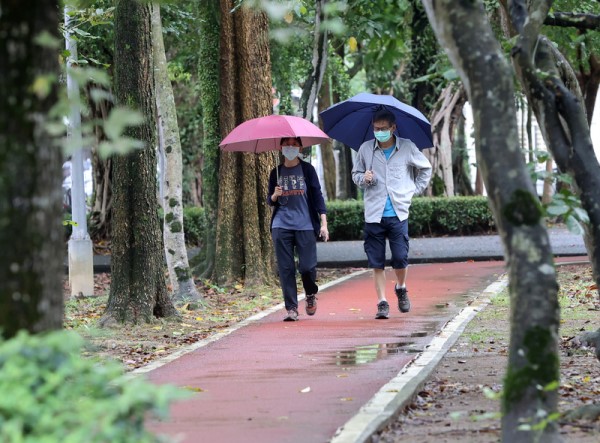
{"type": "Point", "coordinates": [290, 152]}
{"type": "Point", "coordinates": [383, 136]}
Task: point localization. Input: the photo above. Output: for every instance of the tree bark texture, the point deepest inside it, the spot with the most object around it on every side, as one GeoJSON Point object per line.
{"type": "Point", "coordinates": [180, 274]}
{"type": "Point", "coordinates": [424, 51]}
{"type": "Point", "coordinates": [329, 166]}
{"type": "Point", "coordinates": [312, 85]}
{"type": "Point", "coordinates": [208, 79]}
{"type": "Point", "coordinates": [244, 248]}
{"type": "Point", "coordinates": [31, 235]}
{"type": "Point", "coordinates": [462, 28]}
{"type": "Point", "coordinates": [101, 214]}
{"type": "Point", "coordinates": [460, 161]}
{"type": "Point", "coordinates": [444, 119]}
{"type": "Point", "coordinates": [138, 291]}
{"type": "Point", "coordinates": [557, 103]}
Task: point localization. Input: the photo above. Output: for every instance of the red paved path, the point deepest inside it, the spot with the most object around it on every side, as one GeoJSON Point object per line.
{"type": "Point", "coordinates": [251, 379]}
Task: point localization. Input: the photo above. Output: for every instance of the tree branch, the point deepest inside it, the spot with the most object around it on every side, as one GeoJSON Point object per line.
{"type": "Point", "coordinates": [574, 20]}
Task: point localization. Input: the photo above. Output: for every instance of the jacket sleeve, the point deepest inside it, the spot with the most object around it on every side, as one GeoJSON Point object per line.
{"type": "Point", "coordinates": [422, 169]}
{"type": "Point", "coordinates": [360, 167]}
{"type": "Point", "coordinates": [316, 193]}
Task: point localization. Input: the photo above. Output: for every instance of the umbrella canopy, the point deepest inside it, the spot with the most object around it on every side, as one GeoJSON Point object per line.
{"type": "Point", "coordinates": [265, 133]}
{"type": "Point", "coordinates": [350, 121]}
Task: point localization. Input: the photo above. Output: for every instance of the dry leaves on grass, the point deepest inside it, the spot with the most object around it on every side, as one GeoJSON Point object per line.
{"type": "Point", "coordinates": [138, 345]}
{"type": "Point", "coordinates": [461, 399]}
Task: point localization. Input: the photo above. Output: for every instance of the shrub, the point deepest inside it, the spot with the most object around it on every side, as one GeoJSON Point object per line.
{"type": "Point", "coordinates": [429, 216]}
{"type": "Point", "coordinates": [52, 394]}
{"type": "Point", "coordinates": [345, 219]}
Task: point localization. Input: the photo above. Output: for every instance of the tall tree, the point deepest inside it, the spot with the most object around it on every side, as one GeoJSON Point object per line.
{"type": "Point", "coordinates": [31, 236]}
{"type": "Point", "coordinates": [208, 85]}
{"type": "Point", "coordinates": [559, 107]}
{"type": "Point", "coordinates": [463, 30]}
{"type": "Point", "coordinates": [137, 291]}
{"type": "Point", "coordinates": [244, 246]}
{"type": "Point", "coordinates": [312, 85]}
{"type": "Point", "coordinates": [444, 119]}
{"type": "Point", "coordinates": [180, 274]}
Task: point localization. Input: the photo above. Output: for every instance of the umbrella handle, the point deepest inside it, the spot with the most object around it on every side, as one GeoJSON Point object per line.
{"type": "Point", "coordinates": [373, 154]}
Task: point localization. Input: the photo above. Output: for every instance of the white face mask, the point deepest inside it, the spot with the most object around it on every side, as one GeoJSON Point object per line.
{"type": "Point", "coordinates": [290, 152]}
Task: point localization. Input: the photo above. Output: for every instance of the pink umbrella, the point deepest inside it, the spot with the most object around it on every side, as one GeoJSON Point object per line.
{"type": "Point", "coordinates": [265, 133]}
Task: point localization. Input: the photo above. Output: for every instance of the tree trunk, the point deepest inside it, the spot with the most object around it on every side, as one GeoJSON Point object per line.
{"type": "Point", "coordinates": [443, 125]}
{"type": "Point", "coordinates": [461, 170]}
{"type": "Point", "coordinates": [557, 103]}
{"type": "Point", "coordinates": [424, 53]}
{"type": "Point", "coordinates": [463, 29]}
{"type": "Point", "coordinates": [208, 79]}
{"type": "Point", "coordinates": [180, 274]}
{"type": "Point", "coordinates": [589, 82]}
{"type": "Point", "coordinates": [244, 248]}
{"type": "Point", "coordinates": [101, 214]}
{"type": "Point", "coordinates": [312, 85]}
{"type": "Point", "coordinates": [329, 167]}
{"type": "Point", "coordinates": [137, 291]}
{"type": "Point", "coordinates": [31, 235]}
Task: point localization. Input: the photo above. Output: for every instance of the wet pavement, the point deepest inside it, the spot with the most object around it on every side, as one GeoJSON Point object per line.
{"type": "Point", "coordinates": [275, 381]}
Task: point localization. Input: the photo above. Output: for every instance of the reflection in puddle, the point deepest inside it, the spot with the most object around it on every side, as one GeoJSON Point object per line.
{"type": "Point", "coordinates": [361, 355]}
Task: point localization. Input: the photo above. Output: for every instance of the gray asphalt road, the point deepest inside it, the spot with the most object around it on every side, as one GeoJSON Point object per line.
{"type": "Point", "coordinates": [424, 250]}
{"type": "Point", "coordinates": [445, 249]}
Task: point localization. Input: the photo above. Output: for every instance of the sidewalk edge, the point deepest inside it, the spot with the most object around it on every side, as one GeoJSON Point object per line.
{"type": "Point", "coordinates": [391, 399]}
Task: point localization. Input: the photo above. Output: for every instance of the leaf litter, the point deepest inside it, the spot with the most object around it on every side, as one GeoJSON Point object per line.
{"type": "Point", "coordinates": [138, 345]}
{"type": "Point", "coordinates": [461, 399]}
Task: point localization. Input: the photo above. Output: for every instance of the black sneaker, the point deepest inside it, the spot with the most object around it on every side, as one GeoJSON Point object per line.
{"type": "Point", "coordinates": [292, 315]}
{"type": "Point", "coordinates": [403, 301]}
{"type": "Point", "coordinates": [383, 310]}
{"type": "Point", "coordinates": [311, 304]}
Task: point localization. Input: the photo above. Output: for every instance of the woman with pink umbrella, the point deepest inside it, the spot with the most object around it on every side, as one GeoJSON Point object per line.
{"type": "Point", "coordinates": [299, 212]}
{"type": "Point", "coordinates": [299, 215]}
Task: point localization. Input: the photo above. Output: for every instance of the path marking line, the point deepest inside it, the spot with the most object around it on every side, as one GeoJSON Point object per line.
{"type": "Point", "coordinates": [398, 392]}
{"type": "Point", "coordinates": [219, 335]}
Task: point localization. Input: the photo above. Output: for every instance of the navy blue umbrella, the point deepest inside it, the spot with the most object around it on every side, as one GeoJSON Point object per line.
{"type": "Point", "coordinates": [350, 121]}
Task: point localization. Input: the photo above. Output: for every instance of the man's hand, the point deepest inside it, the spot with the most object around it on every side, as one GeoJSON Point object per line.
{"type": "Point", "coordinates": [369, 176]}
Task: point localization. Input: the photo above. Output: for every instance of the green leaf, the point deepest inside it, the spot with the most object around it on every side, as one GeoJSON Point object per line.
{"type": "Point", "coordinates": [42, 85]}
{"type": "Point", "coordinates": [119, 119]}
{"type": "Point", "coordinates": [119, 146]}
{"type": "Point", "coordinates": [574, 226]}
{"type": "Point", "coordinates": [47, 40]}
{"type": "Point", "coordinates": [557, 208]}
{"type": "Point", "coordinates": [552, 386]}
{"type": "Point", "coordinates": [581, 215]}
{"type": "Point", "coordinates": [451, 75]}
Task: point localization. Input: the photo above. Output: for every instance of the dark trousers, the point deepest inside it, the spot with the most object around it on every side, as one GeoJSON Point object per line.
{"type": "Point", "coordinates": [304, 243]}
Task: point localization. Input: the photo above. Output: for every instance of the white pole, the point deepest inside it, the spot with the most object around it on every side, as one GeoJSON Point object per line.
{"type": "Point", "coordinates": [81, 266]}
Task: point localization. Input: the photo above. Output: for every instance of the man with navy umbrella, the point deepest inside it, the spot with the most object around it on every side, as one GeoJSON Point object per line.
{"type": "Point", "coordinates": [390, 170]}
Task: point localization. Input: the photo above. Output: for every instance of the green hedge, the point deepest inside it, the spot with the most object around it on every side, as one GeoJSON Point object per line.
{"type": "Point", "coordinates": [429, 216]}
{"type": "Point", "coordinates": [436, 216]}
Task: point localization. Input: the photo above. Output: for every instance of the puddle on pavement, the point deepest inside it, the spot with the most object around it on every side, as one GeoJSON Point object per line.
{"type": "Point", "coordinates": [361, 355]}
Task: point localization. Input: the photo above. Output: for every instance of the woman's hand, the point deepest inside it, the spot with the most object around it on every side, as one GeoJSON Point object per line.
{"type": "Point", "coordinates": [324, 233]}
{"type": "Point", "coordinates": [278, 192]}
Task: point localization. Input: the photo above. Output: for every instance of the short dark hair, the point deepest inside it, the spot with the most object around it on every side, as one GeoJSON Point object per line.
{"type": "Point", "coordinates": [383, 114]}
{"type": "Point", "coordinates": [287, 138]}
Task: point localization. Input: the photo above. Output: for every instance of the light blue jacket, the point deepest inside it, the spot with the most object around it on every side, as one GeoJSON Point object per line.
{"type": "Point", "coordinates": [405, 174]}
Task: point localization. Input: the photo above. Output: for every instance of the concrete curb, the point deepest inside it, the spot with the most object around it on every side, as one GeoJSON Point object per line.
{"type": "Point", "coordinates": [395, 395]}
